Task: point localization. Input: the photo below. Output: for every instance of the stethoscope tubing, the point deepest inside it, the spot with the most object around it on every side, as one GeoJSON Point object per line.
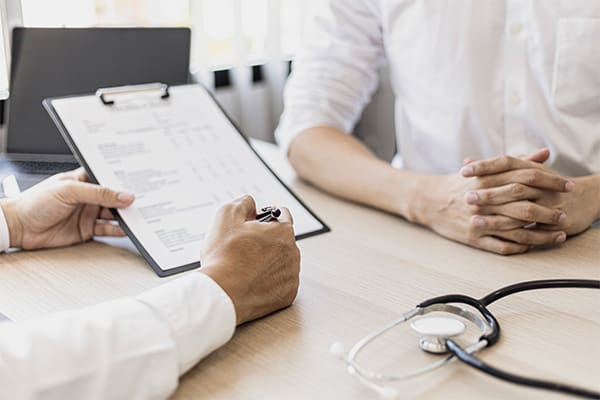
{"type": "Point", "coordinates": [481, 305]}
{"type": "Point", "coordinates": [537, 285]}
{"type": "Point", "coordinates": [489, 337]}
{"type": "Point", "coordinates": [474, 362]}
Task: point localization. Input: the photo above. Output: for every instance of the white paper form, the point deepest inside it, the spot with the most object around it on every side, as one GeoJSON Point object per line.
{"type": "Point", "coordinates": [181, 157]}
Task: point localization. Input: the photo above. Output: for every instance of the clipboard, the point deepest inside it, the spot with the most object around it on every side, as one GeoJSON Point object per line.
{"type": "Point", "coordinates": [179, 152]}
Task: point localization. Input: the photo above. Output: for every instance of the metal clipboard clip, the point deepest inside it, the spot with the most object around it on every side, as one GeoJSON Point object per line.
{"type": "Point", "coordinates": [102, 93]}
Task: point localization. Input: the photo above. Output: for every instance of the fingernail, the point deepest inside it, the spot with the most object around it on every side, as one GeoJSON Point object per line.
{"type": "Point", "coordinates": [471, 197]}
{"type": "Point", "coordinates": [125, 197]}
{"type": "Point", "coordinates": [569, 186]}
{"type": "Point", "coordinates": [562, 219]}
{"type": "Point", "coordinates": [478, 222]}
{"type": "Point", "coordinates": [467, 171]}
{"type": "Point", "coordinates": [561, 238]}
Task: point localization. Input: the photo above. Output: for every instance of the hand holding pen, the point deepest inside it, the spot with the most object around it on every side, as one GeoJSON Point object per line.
{"type": "Point", "coordinates": [269, 214]}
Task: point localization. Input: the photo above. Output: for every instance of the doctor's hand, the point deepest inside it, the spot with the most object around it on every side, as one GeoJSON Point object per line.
{"type": "Point", "coordinates": [257, 264]}
{"type": "Point", "coordinates": [580, 203]}
{"type": "Point", "coordinates": [62, 210]}
{"type": "Point", "coordinates": [447, 205]}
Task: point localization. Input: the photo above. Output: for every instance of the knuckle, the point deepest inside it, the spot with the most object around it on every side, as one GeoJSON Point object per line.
{"type": "Point", "coordinates": [494, 224]}
{"type": "Point", "coordinates": [479, 183]}
{"type": "Point", "coordinates": [472, 235]}
{"type": "Point", "coordinates": [223, 211]}
{"type": "Point", "coordinates": [227, 207]}
{"type": "Point", "coordinates": [485, 195]}
{"type": "Point", "coordinates": [504, 249]}
{"type": "Point", "coordinates": [247, 200]}
{"type": "Point", "coordinates": [504, 161]}
{"type": "Point", "coordinates": [529, 211]}
{"type": "Point", "coordinates": [240, 202]}
{"type": "Point", "coordinates": [521, 236]}
{"type": "Point", "coordinates": [477, 210]}
{"type": "Point", "coordinates": [556, 216]}
{"type": "Point", "coordinates": [518, 190]}
{"type": "Point", "coordinates": [529, 177]}
{"type": "Point", "coordinates": [106, 193]}
{"type": "Point", "coordinates": [473, 231]}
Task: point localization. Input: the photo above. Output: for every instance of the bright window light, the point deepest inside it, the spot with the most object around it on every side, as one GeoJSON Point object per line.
{"type": "Point", "coordinates": [225, 37]}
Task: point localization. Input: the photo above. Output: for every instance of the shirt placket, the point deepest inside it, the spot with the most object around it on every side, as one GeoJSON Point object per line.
{"type": "Point", "coordinates": [515, 94]}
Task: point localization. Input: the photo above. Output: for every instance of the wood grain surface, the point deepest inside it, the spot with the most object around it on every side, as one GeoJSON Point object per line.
{"type": "Point", "coordinates": [367, 271]}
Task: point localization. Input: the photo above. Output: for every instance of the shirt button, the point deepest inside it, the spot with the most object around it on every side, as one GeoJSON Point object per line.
{"type": "Point", "coordinates": [516, 28]}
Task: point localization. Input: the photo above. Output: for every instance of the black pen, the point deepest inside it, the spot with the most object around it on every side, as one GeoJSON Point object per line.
{"type": "Point", "coordinates": [265, 211]}
{"type": "Point", "coordinates": [269, 214]}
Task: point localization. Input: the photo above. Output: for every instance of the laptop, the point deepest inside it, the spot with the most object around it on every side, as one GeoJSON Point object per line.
{"type": "Point", "coordinates": [50, 62]}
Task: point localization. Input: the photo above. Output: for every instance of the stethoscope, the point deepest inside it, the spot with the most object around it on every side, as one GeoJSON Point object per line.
{"type": "Point", "coordinates": [437, 335]}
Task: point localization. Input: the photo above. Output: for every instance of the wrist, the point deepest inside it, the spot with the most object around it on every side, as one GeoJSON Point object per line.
{"type": "Point", "coordinates": [15, 227]}
{"type": "Point", "coordinates": [407, 195]}
{"type": "Point", "coordinates": [214, 273]}
{"type": "Point", "coordinates": [420, 195]}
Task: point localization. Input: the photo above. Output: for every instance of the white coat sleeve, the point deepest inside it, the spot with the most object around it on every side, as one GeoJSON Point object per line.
{"type": "Point", "coordinates": [133, 348]}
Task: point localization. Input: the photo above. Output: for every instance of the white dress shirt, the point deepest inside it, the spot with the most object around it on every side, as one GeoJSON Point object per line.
{"type": "Point", "coordinates": [471, 78]}
{"type": "Point", "coordinates": [134, 348]}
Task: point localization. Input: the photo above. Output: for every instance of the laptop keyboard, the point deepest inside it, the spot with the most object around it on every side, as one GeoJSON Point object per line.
{"type": "Point", "coordinates": [40, 167]}
{"type": "Point", "coordinates": [29, 173]}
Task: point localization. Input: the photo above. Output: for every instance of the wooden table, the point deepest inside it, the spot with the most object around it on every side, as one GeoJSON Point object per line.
{"type": "Point", "coordinates": [371, 268]}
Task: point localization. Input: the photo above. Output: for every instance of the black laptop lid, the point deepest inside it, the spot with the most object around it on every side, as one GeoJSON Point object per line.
{"type": "Point", "coordinates": [50, 62]}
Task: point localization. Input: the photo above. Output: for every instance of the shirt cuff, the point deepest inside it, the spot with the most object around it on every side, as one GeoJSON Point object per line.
{"type": "Point", "coordinates": [199, 313]}
{"type": "Point", "coordinates": [4, 233]}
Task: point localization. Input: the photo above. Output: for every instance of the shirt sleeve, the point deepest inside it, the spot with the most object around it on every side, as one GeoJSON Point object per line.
{"type": "Point", "coordinates": [336, 72]}
{"type": "Point", "coordinates": [134, 348]}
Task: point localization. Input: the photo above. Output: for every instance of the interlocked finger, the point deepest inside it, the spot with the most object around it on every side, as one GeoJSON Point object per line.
{"type": "Point", "coordinates": [492, 223]}
{"type": "Point", "coordinates": [501, 247]}
{"type": "Point", "coordinates": [535, 178]}
{"type": "Point", "coordinates": [532, 237]}
{"type": "Point", "coordinates": [529, 212]}
{"type": "Point", "coordinates": [503, 194]}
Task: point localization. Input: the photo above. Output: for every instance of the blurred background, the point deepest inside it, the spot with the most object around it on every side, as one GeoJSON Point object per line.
{"type": "Point", "coordinates": [241, 49]}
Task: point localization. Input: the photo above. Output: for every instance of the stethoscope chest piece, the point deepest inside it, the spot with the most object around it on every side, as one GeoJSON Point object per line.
{"type": "Point", "coordinates": [437, 321]}
{"type": "Point", "coordinates": [434, 331]}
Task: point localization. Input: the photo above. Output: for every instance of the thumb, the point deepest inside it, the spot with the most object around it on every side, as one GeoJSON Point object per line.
{"type": "Point", "coordinates": [541, 156]}
{"type": "Point", "coordinates": [87, 193]}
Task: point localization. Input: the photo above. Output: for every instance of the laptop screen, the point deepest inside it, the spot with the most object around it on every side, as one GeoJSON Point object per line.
{"type": "Point", "coordinates": [50, 62]}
